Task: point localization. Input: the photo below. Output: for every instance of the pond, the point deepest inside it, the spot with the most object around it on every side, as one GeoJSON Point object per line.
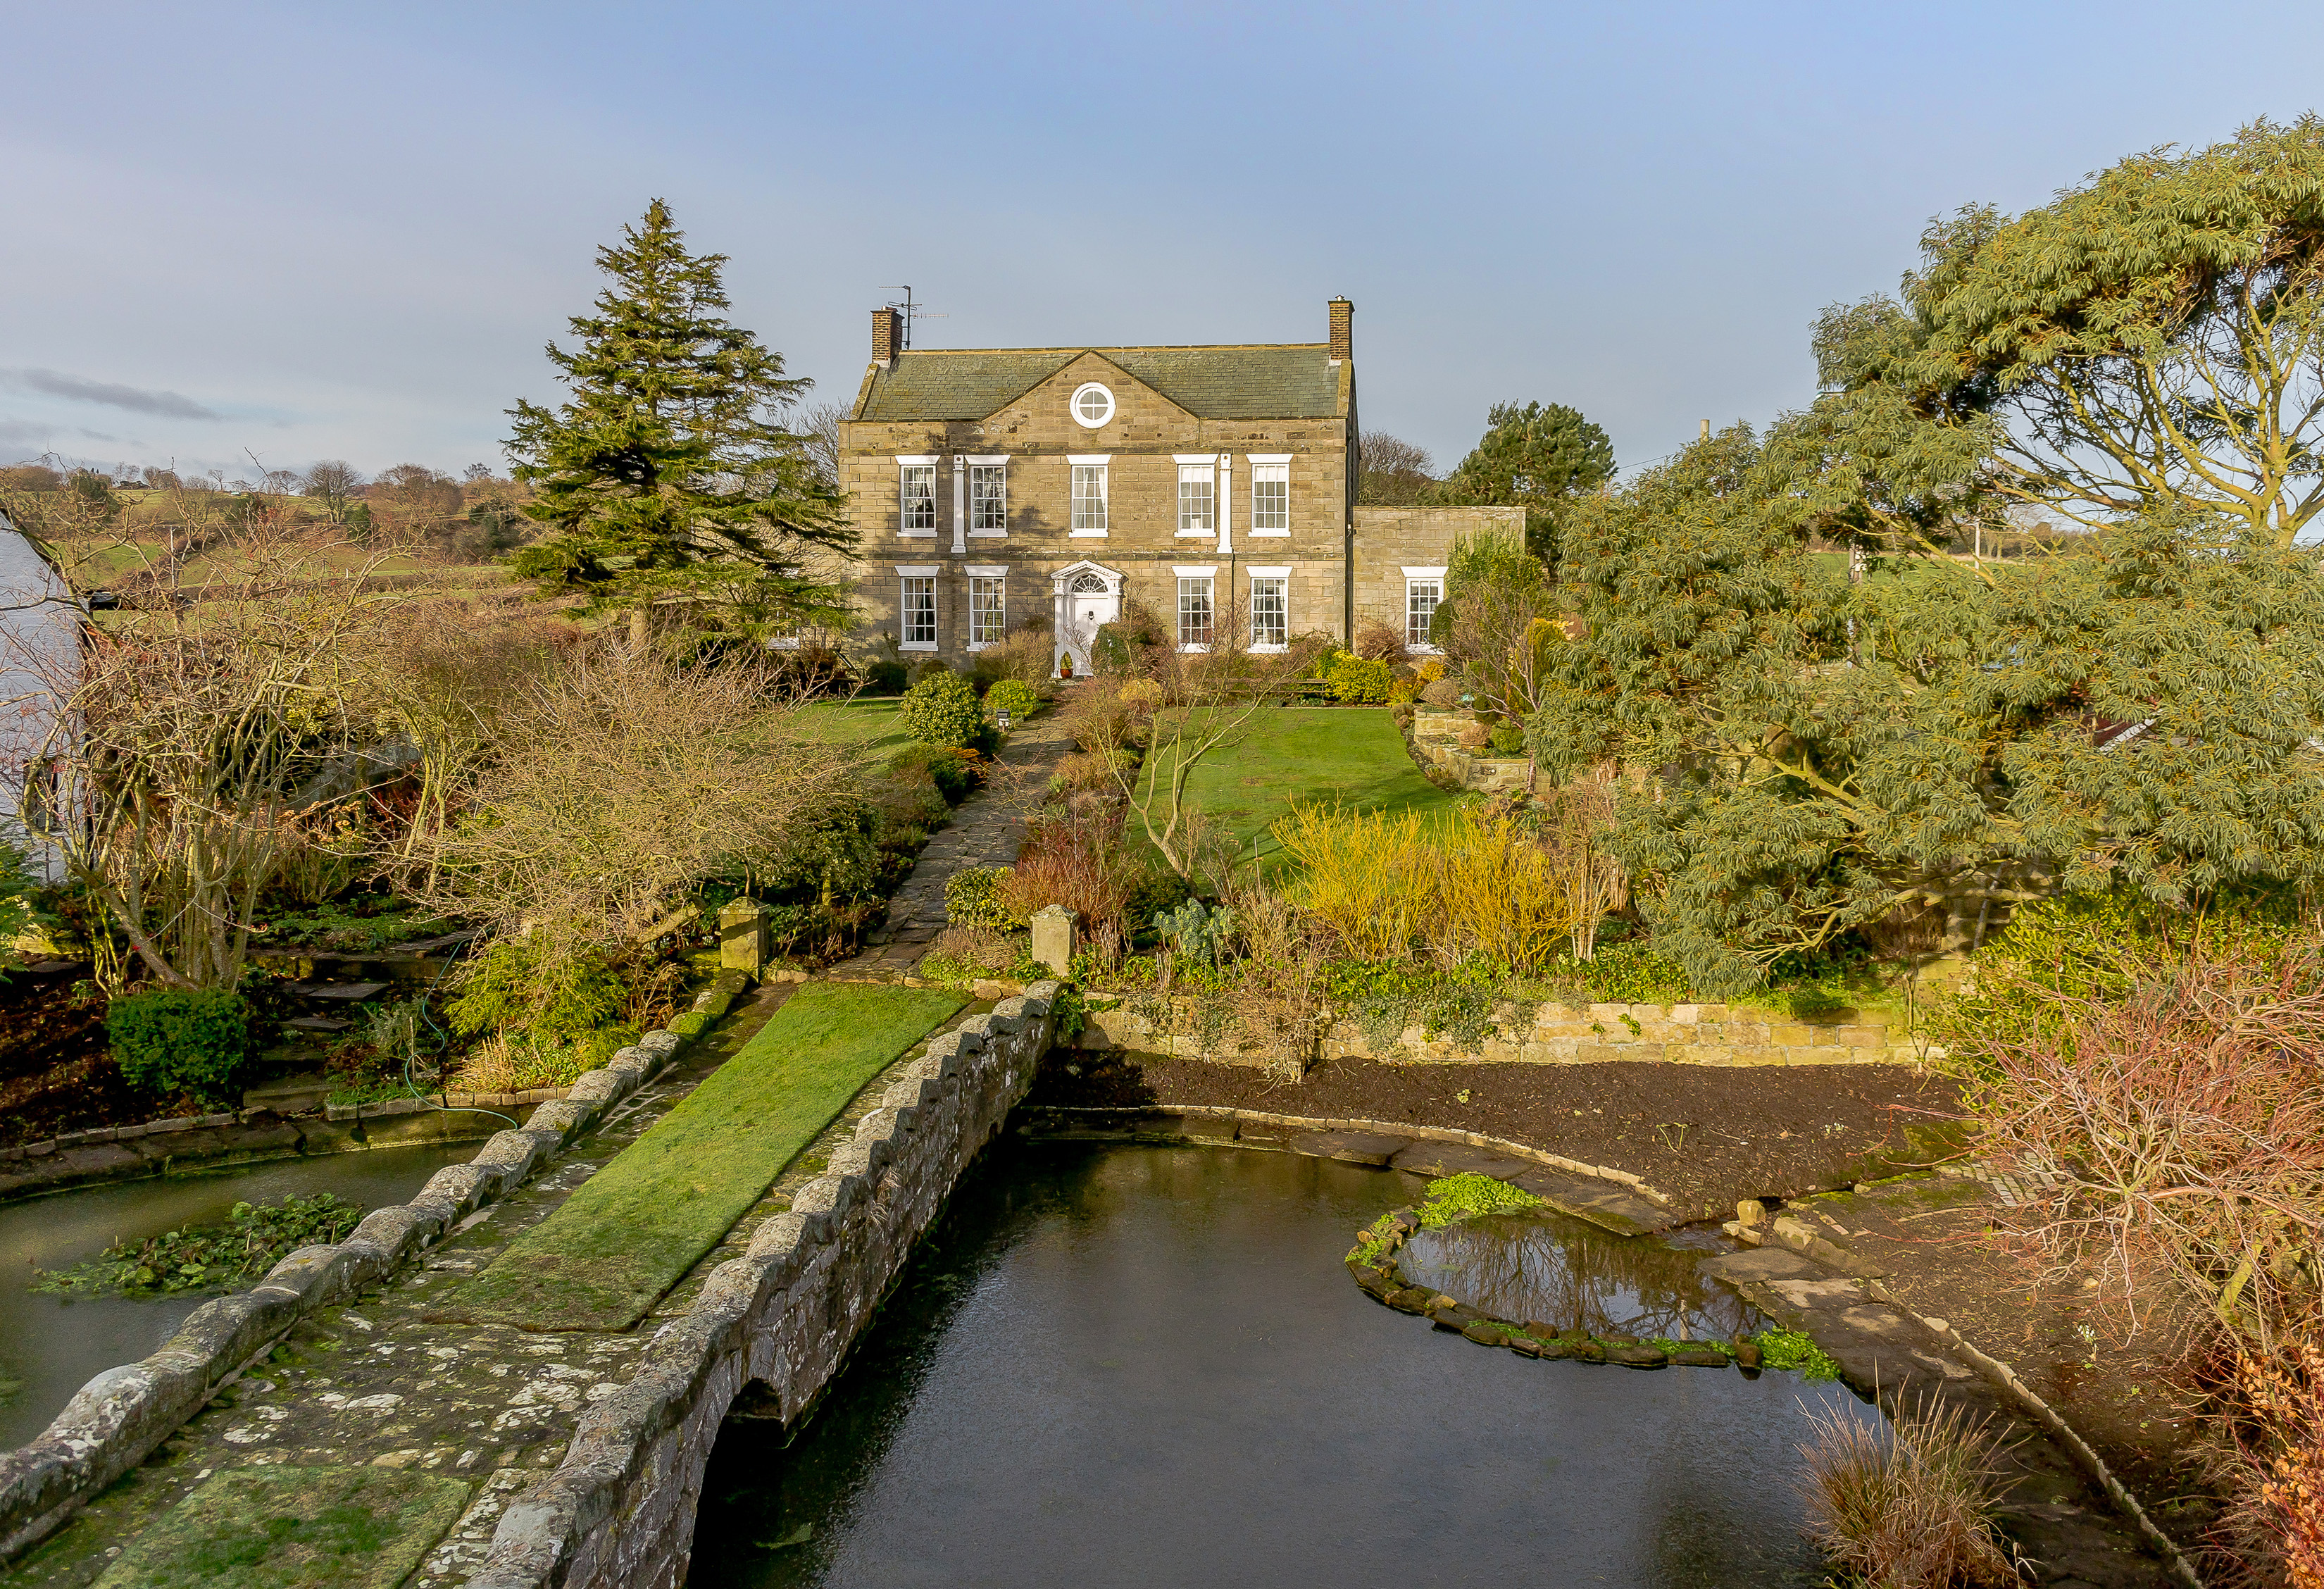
{"type": "Point", "coordinates": [51, 1346]}
{"type": "Point", "coordinates": [1148, 1365]}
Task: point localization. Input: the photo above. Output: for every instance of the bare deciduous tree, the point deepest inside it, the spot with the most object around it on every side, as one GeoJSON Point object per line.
{"type": "Point", "coordinates": [613, 784]}
{"type": "Point", "coordinates": [200, 741]}
{"type": "Point", "coordinates": [334, 483]}
{"type": "Point", "coordinates": [1391, 472]}
{"type": "Point", "coordinates": [820, 432]}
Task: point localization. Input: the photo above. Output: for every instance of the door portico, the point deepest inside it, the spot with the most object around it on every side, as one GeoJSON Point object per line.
{"type": "Point", "coordinates": [1086, 595]}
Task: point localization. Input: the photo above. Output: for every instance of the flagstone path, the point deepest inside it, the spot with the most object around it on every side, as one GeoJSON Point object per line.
{"type": "Point", "coordinates": [986, 829]}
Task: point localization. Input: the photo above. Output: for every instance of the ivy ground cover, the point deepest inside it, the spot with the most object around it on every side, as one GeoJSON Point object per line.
{"type": "Point", "coordinates": [633, 1229]}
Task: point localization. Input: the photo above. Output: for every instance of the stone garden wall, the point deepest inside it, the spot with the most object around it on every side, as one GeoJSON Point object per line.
{"type": "Point", "coordinates": [1682, 1034]}
{"type": "Point", "coordinates": [618, 1512]}
{"type": "Point", "coordinates": [1551, 1034]}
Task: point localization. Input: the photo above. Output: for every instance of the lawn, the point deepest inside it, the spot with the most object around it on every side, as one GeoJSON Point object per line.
{"type": "Point", "coordinates": [1348, 756]}
{"type": "Point", "coordinates": [873, 726]}
{"type": "Point", "coordinates": [635, 1227]}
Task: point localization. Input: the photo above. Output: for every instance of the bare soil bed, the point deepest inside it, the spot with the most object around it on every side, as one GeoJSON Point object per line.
{"type": "Point", "coordinates": [56, 1068]}
{"type": "Point", "coordinates": [1703, 1135]}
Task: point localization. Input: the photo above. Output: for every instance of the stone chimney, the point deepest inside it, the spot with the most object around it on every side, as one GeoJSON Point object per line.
{"type": "Point", "coordinates": [1344, 330]}
{"type": "Point", "coordinates": [887, 336]}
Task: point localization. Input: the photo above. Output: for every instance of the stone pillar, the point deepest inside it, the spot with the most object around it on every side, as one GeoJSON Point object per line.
{"type": "Point", "coordinates": [742, 937]}
{"type": "Point", "coordinates": [1053, 938]}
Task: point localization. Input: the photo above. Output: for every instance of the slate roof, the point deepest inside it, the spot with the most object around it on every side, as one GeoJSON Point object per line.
{"type": "Point", "coordinates": [1288, 382]}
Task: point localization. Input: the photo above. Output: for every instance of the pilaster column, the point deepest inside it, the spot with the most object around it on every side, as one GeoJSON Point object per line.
{"type": "Point", "coordinates": [1226, 501]}
{"type": "Point", "coordinates": [960, 504]}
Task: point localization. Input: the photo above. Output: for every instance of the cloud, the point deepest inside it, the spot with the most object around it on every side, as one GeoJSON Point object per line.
{"type": "Point", "coordinates": [16, 433]}
{"type": "Point", "coordinates": [168, 405]}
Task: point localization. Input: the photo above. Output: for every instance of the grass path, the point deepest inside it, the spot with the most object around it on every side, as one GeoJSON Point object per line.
{"type": "Point", "coordinates": [634, 1228]}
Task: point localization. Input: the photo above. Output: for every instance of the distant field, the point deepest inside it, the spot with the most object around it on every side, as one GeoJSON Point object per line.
{"type": "Point", "coordinates": [99, 565]}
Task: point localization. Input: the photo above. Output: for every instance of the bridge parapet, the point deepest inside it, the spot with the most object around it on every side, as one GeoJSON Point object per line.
{"type": "Point", "coordinates": [119, 1419]}
{"type": "Point", "coordinates": [617, 1513]}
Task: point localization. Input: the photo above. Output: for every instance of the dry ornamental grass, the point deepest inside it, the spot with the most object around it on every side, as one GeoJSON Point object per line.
{"type": "Point", "coordinates": [1906, 1505]}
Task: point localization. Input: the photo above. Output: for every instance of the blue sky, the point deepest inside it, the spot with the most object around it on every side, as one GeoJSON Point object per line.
{"type": "Point", "coordinates": [325, 230]}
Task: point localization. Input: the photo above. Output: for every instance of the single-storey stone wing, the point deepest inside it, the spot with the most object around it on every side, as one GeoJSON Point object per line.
{"type": "Point", "coordinates": [996, 489]}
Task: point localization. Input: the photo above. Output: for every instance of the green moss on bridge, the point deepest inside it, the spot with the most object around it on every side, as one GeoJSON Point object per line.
{"type": "Point", "coordinates": [293, 1528]}
{"type": "Point", "coordinates": [633, 1229]}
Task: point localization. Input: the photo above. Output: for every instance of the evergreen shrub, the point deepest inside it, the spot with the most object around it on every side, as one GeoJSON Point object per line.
{"type": "Point", "coordinates": [174, 1041]}
{"type": "Point", "coordinates": [941, 710]}
{"type": "Point", "coordinates": [1013, 696]}
{"type": "Point", "coordinates": [951, 767]}
{"type": "Point", "coordinates": [1358, 682]}
{"type": "Point", "coordinates": [972, 896]}
{"type": "Point", "coordinates": [1634, 974]}
{"type": "Point", "coordinates": [514, 985]}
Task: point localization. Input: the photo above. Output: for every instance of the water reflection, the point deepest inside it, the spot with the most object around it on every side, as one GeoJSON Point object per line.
{"type": "Point", "coordinates": [1560, 1271]}
{"type": "Point", "coordinates": [51, 1346]}
{"type": "Point", "coordinates": [1147, 1365]}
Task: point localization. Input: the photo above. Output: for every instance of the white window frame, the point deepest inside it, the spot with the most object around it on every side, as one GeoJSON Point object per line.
{"type": "Point", "coordinates": [905, 464]}
{"type": "Point", "coordinates": [1073, 405]}
{"type": "Point", "coordinates": [1282, 574]}
{"type": "Point", "coordinates": [1260, 462]}
{"type": "Point", "coordinates": [1208, 574]}
{"type": "Point", "coordinates": [1198, 469]}
{"type": "Point", "coordinates": [905, 574]}
{"type": "Point", "coordinates": [1421, 575]}
{"type": "Point", "coordinates": [995, 465]}
{"type": "Point", "coordinates": [1075, 464]}
{"type": "Point", "coordinates": [998, 573]}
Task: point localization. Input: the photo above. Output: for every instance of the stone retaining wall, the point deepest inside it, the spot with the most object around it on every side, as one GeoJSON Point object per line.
{"type": "Point", "coordinates": [618, 1512]}
{"type": "Point", "coordinates": [1563, 1034]}
{"type": "Point", "coordinates": [1684, 1034]}
{"type": "Point", "coordinates": [1435, 740]}
{"type": "Point", "coordinates": [115, 1420]}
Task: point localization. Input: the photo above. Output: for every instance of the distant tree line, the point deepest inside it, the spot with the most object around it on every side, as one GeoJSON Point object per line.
{"type": "Point", "coordinates": [1540, 457]}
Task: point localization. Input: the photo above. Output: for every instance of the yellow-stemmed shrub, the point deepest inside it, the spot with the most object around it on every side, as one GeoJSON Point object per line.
{"type": "Point", "coordinates": [1461, 884]}
{"type": "Point", "coordinates": [1503, 893]}
{"type": "Point", "coordinates": [1368, 876]}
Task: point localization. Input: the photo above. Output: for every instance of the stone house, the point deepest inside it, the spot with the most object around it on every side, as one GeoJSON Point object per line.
{"type": "Point", "coordinates": [1000, 489]}
{"type": "Point", "coordinates": [41, 629]}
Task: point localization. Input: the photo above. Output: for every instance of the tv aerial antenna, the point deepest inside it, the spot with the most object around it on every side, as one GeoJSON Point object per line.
{"type": "Point", "coordinates": [910, 313]}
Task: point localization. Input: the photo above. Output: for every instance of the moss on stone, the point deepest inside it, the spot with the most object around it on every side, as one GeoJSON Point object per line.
{"type": "Point", "coordinates": [293, 1528]}
{"type": "Point", "coordinates": [1459, 1197]}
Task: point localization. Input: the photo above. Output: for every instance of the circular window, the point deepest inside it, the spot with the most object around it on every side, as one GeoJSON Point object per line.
{"type": "Point", "coordinates": [1092, 405]}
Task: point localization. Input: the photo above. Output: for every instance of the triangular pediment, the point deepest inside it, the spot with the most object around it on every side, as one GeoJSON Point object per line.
{"type": "Point", "coordinates": [1058, 386]}
{"type": "Point", "coordinates": [1062, 578]}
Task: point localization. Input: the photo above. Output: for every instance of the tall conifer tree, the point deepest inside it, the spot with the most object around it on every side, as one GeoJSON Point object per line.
{"type": "Point", "coordinates": [667, 473]}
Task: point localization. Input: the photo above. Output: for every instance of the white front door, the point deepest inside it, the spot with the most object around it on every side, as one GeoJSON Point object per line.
{"type": "Point", "coordinates": [1087, 601]}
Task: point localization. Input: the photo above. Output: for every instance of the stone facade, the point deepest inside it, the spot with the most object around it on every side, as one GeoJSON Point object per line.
{"type": "Point", "coordinates": [618, 1511]}
{"type": "Point", "coordinates": [1390, 543]}
{"type": "Point", "coordinates": [1228, 465]}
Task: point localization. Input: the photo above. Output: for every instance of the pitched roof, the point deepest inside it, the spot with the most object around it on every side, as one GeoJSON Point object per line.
{"type": "Point", "coordinates": [1285, 382]}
